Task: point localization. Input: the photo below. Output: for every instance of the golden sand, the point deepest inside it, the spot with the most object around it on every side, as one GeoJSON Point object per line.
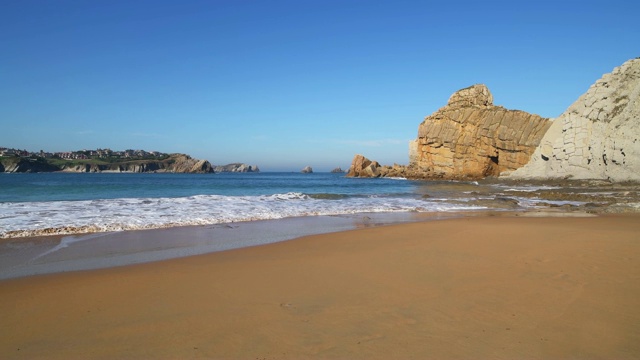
{"type": "Point", "coordinates": [482, 287]}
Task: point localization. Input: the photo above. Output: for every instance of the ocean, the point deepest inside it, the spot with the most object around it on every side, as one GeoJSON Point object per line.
{"type": "Point", "coordinates": [95, 214]}
{"type": "Point", "coordinates": [72, 203]}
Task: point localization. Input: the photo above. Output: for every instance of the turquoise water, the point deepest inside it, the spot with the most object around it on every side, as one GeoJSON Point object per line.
{"type": "Point", "coordinates": [72, 203]}
{"type": "Point", "coordinates": [72, 186]}
{"type": "Point", "coordinates": [92, 210]}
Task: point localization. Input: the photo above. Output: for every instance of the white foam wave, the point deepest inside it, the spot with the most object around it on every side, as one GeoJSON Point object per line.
{"type": "Point", "coordinates": [72, 217]}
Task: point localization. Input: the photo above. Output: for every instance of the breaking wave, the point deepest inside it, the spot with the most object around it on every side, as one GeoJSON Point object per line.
{"type": "Point", "coordinates": [20, 219]}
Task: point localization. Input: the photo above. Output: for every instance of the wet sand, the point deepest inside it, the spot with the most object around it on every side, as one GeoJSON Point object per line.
{"type": "Point", "coordinates": [479, 287]}
{"type": "Point", "coordinates": [62, 253]}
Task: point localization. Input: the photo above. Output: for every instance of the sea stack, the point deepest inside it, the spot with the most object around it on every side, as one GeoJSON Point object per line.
{"type": "Point", "coordinates": [470, 137]}
{"type": "Point", "coordinates": [307, 170]}
{"type": "Point", "coordinates": [363, 167]}
{"type": "Point", "coordinates": [597, 137]}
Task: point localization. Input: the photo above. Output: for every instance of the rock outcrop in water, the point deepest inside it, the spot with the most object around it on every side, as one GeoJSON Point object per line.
{"type": "Point", "coordinates": [307, 170]}
{"type": "Point", "coordinates": [597, 137]}
{"type": "Point", "coordinates": [469, 138]}
{"type": "Point", "coordinates": [363, 167]}
{"type": "Point", "coordinates": [472, 138]}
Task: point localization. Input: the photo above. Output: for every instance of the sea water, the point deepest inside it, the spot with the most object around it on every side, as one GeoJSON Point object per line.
{"type": "Point", "coordinates": [189, 214]}
{"type": "Point", "coordinates": [69, 203]}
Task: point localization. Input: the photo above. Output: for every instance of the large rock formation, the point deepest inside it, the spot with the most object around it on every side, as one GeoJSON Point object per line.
{"type": "Point", "coordinates": [598, 136]}
{"type": "Point", "coordinates": [472, 138]}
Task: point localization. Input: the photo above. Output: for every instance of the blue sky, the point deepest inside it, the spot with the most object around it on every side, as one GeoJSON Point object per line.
{"type": "Point", "coordinates": [285, 84]}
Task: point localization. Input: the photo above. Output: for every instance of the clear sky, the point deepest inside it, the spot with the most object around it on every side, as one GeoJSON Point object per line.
{"type": "Point", "coordinates": [285, 84]}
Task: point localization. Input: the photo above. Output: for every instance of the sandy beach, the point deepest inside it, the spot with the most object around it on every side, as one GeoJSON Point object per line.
{"type": "Point", "coordinates": [479, 287]}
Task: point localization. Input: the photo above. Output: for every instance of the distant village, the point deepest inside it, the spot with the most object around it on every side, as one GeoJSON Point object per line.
{"type": "Point", "coordinates": [85, 154]}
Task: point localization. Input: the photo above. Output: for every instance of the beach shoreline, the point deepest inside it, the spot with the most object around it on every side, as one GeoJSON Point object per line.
{"type": "Point", "coordinates": [472, 287]}
{"type": "Point", "coordinates": [39, 255]}
{"type": "Point", "coordinates": [30, 256]}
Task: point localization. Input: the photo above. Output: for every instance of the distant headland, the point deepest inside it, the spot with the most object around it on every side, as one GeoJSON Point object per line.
{"type": "Point", "coordinates": [107, 160]}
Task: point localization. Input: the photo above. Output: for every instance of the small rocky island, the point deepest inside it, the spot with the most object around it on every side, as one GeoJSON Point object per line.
{"type": "Point", "coordinates": [106, 160]}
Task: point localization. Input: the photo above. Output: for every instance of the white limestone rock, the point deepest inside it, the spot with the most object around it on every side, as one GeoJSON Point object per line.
{"type": "Point", "coordinates": [597, 137]}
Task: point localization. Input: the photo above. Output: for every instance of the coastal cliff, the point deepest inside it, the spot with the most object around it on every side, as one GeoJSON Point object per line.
{"type": "Point", "coordinates": [175, 163]}
{"type": "Point", "coordinates": [469, 138]}
{"type": "Point", "coordinates": [107, 160]}
{"type": "Point", "coordinates": [472, 138]}
{"type": "Point", "coordinates": [236, 167]}
{"type": "Point", "coordinates": [25, 165]}
{"type": "Point", "coordinates": [597, 137]}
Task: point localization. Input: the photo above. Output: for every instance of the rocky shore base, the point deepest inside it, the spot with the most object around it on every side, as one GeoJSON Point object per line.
{"type": "Point", "coordinates": [590, 196]}
{"type": "Point", "coordinates": [366, 168]}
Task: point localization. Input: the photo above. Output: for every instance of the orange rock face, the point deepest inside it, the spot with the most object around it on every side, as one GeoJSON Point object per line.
{"type": "Point", "coordinates": [472, 138]}
{"type": "Point", "coordinates": [363, 167]}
